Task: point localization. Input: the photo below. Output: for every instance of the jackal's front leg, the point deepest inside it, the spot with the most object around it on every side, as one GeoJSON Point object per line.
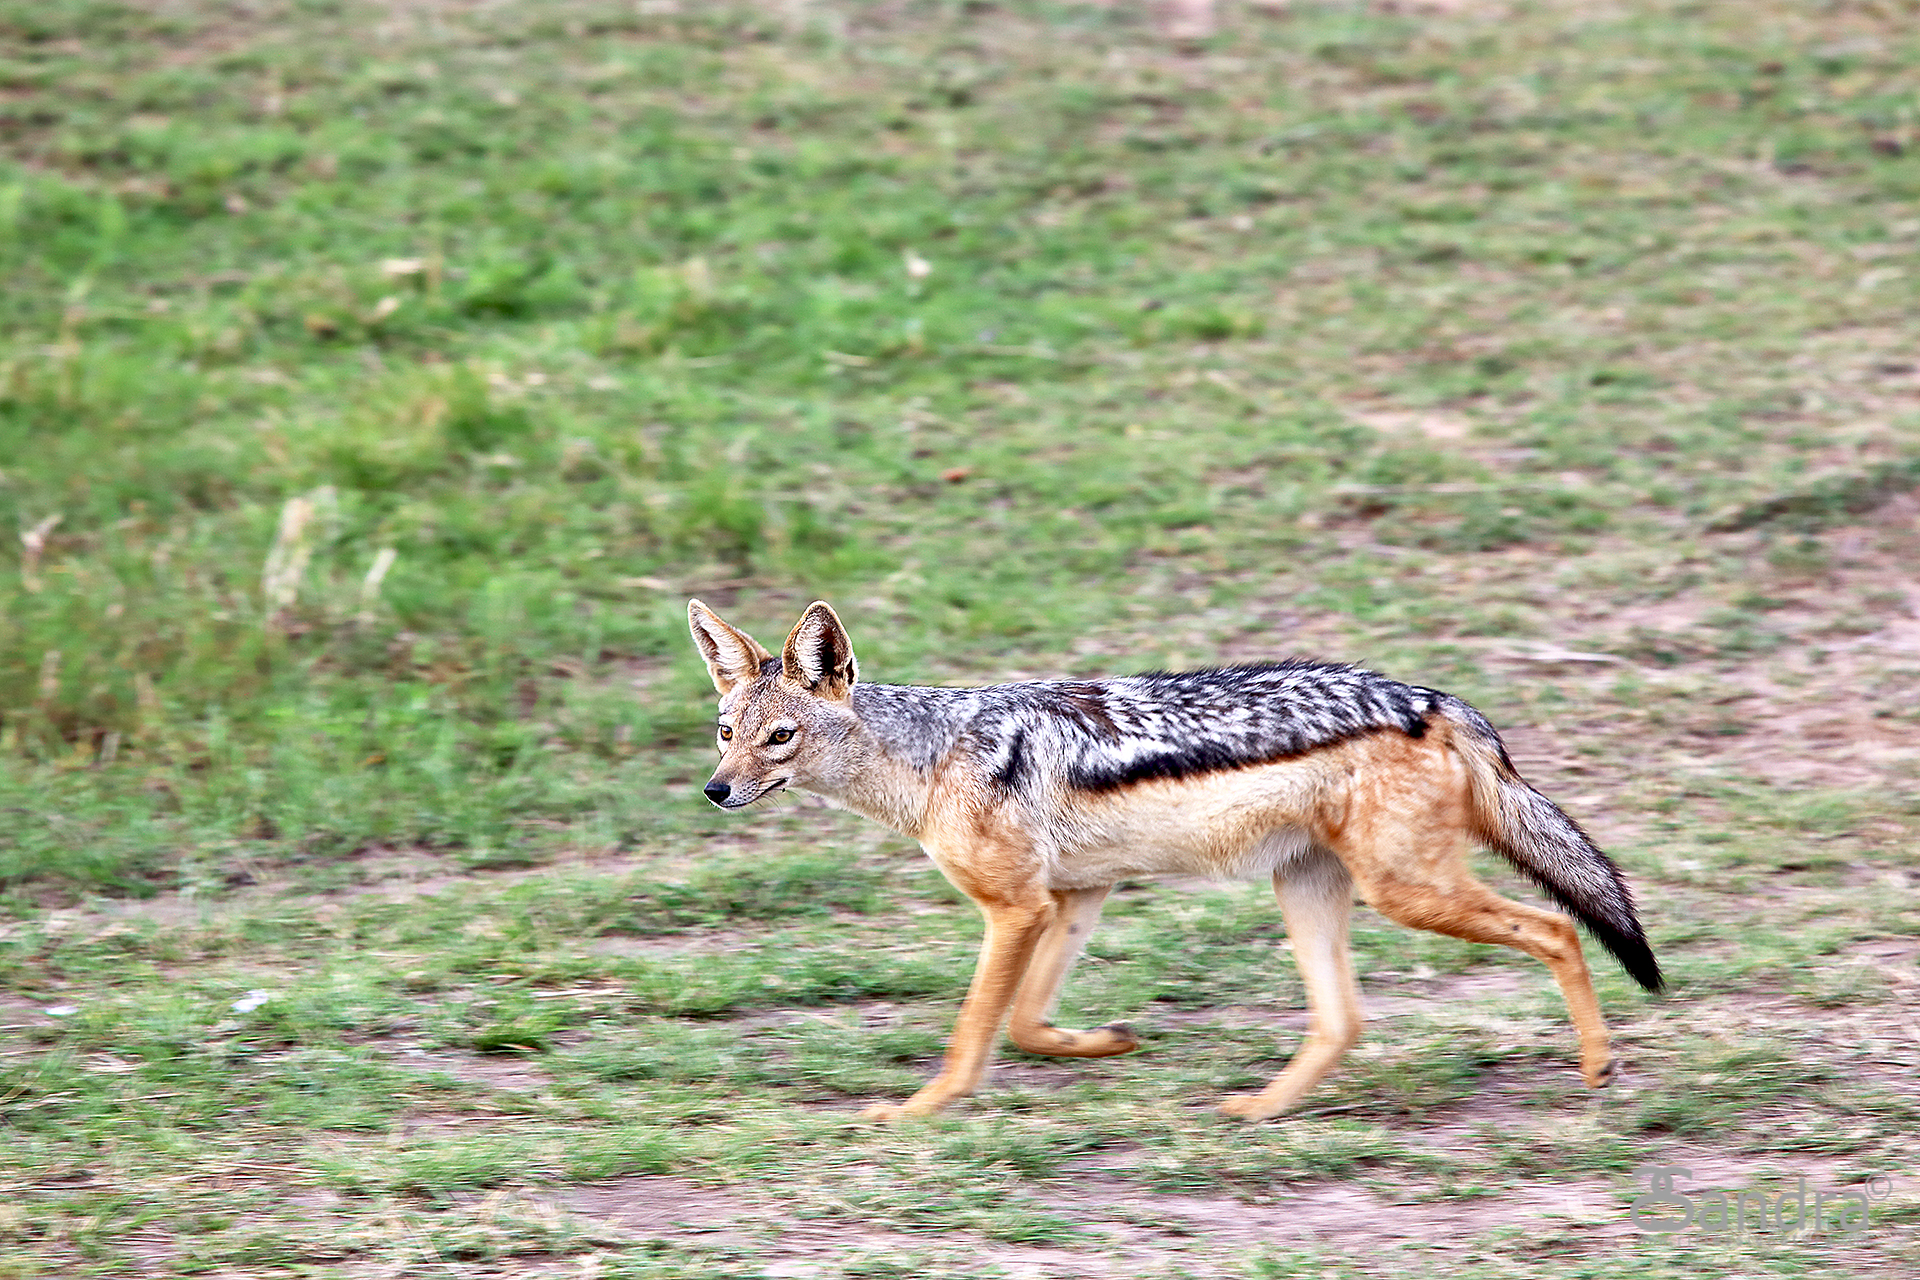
{"type": "Point", "coordinates": [1076, 913]}
{"type": "Point", "coordinates": [1012, 933]}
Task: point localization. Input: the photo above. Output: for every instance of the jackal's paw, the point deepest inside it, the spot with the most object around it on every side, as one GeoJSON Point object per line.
{"type": "Point", "coordinates": [1096, 1042]}
{"type": "Point", "coordinates": [1600, 1075]}
{"type": "Point", "coordinates": [1114, 1038]}
{"type": "Point", "coordinates": [1250, 1106]}
{"type": "Point", "coordinates": [887, 1112]}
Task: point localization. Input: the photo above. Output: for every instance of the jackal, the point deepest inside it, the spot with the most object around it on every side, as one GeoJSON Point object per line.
{"type": "Point", "coordinates": [1035, 798]}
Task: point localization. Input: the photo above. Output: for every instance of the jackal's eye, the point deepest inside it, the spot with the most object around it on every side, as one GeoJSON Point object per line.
{"type": "Point", "coordinates": [726, 734]}
{"type": "Point", "coordinates": [779, 736]}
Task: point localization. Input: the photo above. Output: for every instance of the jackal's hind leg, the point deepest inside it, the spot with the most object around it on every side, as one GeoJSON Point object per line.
{"type": "Point", "coordinates": [1316, 897]}
{"type": "Point", "coordinates": [1464, 908]}
{"type": "Point", "coordinates": [1076, 912]}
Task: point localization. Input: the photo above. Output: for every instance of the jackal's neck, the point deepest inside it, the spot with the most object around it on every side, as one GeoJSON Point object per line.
{"type": "Point", "coordinates": [883, 787]}
{"type": "Point", "coordinates": [903, 733]}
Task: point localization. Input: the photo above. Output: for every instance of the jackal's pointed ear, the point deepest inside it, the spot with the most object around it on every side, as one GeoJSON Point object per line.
{"type": "Point", "coordinates": [819, 657]}
{"type": "Point", "coordinates": [731, 654]}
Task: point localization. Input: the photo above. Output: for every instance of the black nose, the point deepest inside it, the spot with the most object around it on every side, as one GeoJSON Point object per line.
{"type": "Point", "coordinates": [718, 792]}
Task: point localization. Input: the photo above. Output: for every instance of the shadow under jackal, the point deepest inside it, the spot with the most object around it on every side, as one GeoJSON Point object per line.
{"type": "Point", "coordinates": [1035, 798]}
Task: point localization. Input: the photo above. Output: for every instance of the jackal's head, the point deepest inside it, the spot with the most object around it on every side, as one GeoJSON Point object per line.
{"type": "Point", "coordinates": [786, 721]}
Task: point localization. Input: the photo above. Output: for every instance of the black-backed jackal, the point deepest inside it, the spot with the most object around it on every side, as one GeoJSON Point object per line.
{"type": "Point", "coordinates": [1035, 798]}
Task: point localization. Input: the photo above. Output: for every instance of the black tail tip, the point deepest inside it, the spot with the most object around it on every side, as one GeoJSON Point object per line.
{"type": "Point", "coordinates": [1649, 975]}
{"type": "Point", "coordinates": [1636, 957]}
{"type": "Point", "coordinates": [1627, 944]}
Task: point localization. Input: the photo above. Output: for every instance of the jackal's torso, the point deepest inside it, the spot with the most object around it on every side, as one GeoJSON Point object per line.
{"type": "Point", "coordinates": [1194, 772]}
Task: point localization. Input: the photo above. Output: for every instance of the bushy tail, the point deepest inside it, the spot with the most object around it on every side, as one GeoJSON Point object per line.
{"type": "Point", "coordinates": [1547, 846]}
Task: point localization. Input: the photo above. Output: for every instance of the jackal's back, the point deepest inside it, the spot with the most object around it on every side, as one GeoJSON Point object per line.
{"type": "Point", "coordinates": [1101, 735]}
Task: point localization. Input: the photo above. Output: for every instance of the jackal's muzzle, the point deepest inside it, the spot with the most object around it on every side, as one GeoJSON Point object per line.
{"type": "Point", "coordinates": [738, 796]}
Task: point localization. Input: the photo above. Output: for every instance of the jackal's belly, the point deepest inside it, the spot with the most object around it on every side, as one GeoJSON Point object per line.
{"type": "Point", "coordinates": [1240, 824]}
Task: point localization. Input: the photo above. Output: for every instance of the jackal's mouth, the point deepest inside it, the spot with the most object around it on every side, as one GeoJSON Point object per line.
{"type": "Point", "coordinates": [733, 801]}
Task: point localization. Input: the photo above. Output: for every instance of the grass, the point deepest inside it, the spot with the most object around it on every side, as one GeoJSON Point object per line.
{"type": "Point", "coordinates": [376, 383]}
